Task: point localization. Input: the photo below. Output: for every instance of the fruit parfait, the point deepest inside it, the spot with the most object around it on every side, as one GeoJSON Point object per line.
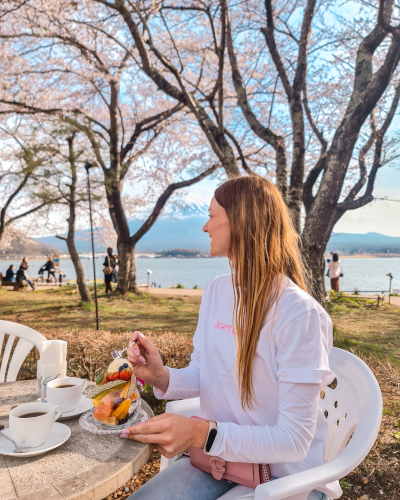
{"type": "Point", "coordinates": [116, 398]}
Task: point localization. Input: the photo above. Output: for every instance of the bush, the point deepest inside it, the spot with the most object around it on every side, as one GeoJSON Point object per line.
{"type": "Point", "coordinates": [89, 351]}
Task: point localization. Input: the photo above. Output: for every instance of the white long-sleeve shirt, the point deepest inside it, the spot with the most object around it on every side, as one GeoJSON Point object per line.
{"type": "Point", "coordinates": [287, 428]}
{"type": "Point", "coordinates": [334, 269]}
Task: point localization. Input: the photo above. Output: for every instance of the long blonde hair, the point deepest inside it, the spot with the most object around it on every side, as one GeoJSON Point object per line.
{"type": "Point", "coordinates": [264, 247]}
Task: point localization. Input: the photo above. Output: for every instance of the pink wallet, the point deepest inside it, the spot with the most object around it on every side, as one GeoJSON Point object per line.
{"type": "Point", "coordinates": [247, 474]}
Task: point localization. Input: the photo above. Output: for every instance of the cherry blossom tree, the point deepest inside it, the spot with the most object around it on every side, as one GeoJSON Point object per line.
{"type": "Point", "coordinates": [305, 86]}
{"type": "Point", "coordinates": [69, 64]}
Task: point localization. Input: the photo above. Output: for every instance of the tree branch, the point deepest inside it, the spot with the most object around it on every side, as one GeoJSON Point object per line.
{"type": "Point", "coordinates": [152, 122]}
{"type": "Point", "coordinates": [268, 33]}
{"type": "Point", "coordinates": [162, 200]}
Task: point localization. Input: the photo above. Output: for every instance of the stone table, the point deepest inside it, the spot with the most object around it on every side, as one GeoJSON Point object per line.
{"type": "Point", "coordinates": [86, 467]}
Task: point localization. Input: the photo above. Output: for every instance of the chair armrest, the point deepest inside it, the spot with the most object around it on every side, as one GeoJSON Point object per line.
{"type": "Point", "coordinates": [185, 407]}
{"type": "Point", "coordinates": [295, 486]}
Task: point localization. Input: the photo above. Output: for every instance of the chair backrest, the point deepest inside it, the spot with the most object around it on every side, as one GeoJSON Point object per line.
{"type": "Point", "coordinates": [28, 338]}
{"type": "Point", "coordinates": [352, 405]}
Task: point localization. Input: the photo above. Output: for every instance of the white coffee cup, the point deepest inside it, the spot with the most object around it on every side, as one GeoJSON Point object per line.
{"type": "Point", "coordinates": [32, 431]}
{"type": "Point", "coordinates": [67, 397]}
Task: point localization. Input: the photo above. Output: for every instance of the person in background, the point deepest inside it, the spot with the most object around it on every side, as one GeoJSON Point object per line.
{"type": "Point", "coordinates": [10, 274]}
{"type": "Point", "coordinates": [50, 268]}
{"type": "Point", "coordinates": [109, 262]}
{"type": "Point", "coordinates": [22, 273]}
{"type": "Point", "coordinates": [24, 263]}
{"type": "Point", "coordinates": [335, 272]}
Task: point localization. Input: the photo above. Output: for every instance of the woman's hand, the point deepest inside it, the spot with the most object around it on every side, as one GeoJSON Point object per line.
{"type": "Point", "coordinates": [147, 363]}
{"type": "Point", "coordinates": [170, 433]}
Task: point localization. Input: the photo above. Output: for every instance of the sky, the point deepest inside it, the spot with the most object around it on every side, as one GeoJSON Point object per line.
{"type": "Point", "coordinates": [378, 217]}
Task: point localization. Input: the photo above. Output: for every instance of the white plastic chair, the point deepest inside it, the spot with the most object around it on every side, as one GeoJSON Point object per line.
{"type": "Point", "coordinates": [28, 338]}
{"type": "Point", "coordinates": [355, 405]}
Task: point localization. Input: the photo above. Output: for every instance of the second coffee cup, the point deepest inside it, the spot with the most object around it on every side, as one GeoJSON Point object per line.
{"type": "Point", "coordinates": [66, 392]}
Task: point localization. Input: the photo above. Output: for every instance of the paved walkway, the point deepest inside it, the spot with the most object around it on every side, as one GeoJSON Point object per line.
{"type": "Point", "coordinates": [173, 292]}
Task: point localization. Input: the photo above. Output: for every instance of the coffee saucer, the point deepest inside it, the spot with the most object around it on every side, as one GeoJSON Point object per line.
{"type": "Point", "coordinates": [59, 434]}
{"type": "Point", "coordinates": [84, 404]}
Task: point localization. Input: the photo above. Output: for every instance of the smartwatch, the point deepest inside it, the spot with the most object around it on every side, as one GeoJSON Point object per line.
{"type": "Point", "coordinates": [212, 434]}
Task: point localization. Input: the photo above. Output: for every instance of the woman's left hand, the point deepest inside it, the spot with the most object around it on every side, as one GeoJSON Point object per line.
{"type": "Point", "coordinates": [170, 433]}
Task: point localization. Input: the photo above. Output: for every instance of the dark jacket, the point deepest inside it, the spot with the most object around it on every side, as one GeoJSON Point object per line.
{"type": "Point", "coordinates": [49, 266]}
{"type": "Point", "coordinates": [10, 275]}
{"type": "Point", "coordinates": [21, 274]}
{"type": "Point", "coordinates": [109, 277]}
{"type": "Point", "coordinates": [112, 261]}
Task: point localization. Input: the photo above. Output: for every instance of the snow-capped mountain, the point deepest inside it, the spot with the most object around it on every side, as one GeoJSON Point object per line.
{"type": "Point", "coordinates": [190, 205]}
{"type": "Point", "coordinates": [179, 207]}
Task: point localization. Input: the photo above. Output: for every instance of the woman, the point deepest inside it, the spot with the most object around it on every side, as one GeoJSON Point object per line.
{"type": "Point", "coordinates": [109, 265]}
{"type": "Point", "coordinates": [24, 263]}
{"type": "Point", "coordinates": [10, 274]}
{"type": "Point", "coordinates": [335, 272]}
{"type": "Point", "coordinates": [22, 273]}
{"type": "Point", "coordinates": [260, 357]}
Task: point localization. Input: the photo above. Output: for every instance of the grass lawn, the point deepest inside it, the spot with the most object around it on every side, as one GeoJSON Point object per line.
{"type": "Point", "coordinates": [367, 329]}
{"type": "Point", "coordinates": [372, 333]}
{"type": "Point", "coordinates": [52, 309]}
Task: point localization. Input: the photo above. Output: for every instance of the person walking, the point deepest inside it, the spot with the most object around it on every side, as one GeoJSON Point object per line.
{"type": "Point", "coordinates": [11, 274]}
{"type": "Point", "coordinates": [109, 267]}
{"type": "Point", "coordinates": [335, 272]}
{"type": "Point", "coordinates": [260, 358]}
{"type": "Point", "coordinates": [50, 268]}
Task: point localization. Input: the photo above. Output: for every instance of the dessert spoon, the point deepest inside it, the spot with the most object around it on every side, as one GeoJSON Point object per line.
{"type": "Point", "coordinates": [118, 354]}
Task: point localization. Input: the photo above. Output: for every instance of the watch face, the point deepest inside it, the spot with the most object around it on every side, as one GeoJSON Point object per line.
{"type": "Point", "coordinates": [211, 438]}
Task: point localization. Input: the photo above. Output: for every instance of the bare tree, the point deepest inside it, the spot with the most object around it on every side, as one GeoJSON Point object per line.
{"type": "Point", "coordinates": [71, 199]}
{"type": "Point", "coordinates": [22, 171]}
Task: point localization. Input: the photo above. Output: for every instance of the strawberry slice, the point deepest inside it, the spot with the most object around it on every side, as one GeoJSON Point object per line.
{"type": "Point", "coordinates": [113, 376]}
{"type": "Point", "coordinates": [125, 374]}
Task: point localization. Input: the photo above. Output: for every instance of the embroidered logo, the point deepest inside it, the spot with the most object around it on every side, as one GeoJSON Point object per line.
{"type": "Point", "coordinates": [225, 327]}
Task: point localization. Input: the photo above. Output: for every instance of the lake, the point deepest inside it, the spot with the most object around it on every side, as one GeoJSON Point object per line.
{"type": "Point", "coordinates": [364, 274]}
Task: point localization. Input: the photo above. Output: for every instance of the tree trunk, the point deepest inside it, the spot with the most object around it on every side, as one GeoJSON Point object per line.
{"type": "Point", "coordinates": [80, 275]}
{"type": "Point", "coordinates": [70, 239]}
{"type": "Point", "coordinates": [2, 233]}
{"type": "Point", "coordinates": [132, 272]}
{"type": "Point", "coordinates": [127, 268]}
{"type": "Point", "coordinates": [314, 259]}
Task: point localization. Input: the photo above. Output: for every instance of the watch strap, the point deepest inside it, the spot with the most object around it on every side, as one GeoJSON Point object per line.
{"type": "Point", "coordinates": [212, 434]}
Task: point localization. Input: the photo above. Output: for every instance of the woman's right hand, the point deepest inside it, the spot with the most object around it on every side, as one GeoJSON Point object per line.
{"type": "Point", "coordinates": [147, 363]}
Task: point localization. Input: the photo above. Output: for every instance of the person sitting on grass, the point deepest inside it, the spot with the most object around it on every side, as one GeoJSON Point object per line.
{"type": "Point", "coordinates": [260, 358]}
{"type": "Point", "coordinates": [11, 274]}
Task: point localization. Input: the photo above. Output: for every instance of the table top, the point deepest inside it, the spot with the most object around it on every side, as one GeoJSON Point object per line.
{"type": "Point", "coordinates": [86, 467]}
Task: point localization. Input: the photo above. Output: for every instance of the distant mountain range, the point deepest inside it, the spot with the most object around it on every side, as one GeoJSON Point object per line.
{"type": "Point", "coordinates": [181, 227]}
{"type": "Point", "coordinates": [368, 242]}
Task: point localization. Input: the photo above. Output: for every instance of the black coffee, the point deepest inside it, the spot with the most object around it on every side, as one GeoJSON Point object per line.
{"type": "Point", "coordinates": [30, 415]}
{"type": "Point", "coordinates": [62, 386]}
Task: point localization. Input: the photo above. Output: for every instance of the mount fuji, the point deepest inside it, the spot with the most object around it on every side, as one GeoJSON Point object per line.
{"type": "Point", "coordinates": [179, 226]}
